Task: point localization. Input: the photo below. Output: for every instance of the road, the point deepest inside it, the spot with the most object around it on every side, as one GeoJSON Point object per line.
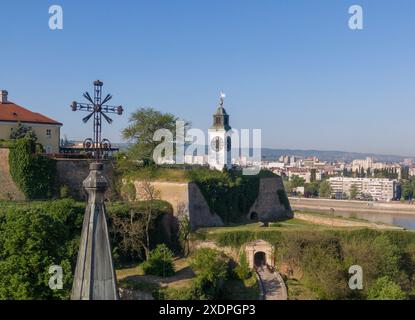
{"type": "Point", "coordinates": [273, 285]}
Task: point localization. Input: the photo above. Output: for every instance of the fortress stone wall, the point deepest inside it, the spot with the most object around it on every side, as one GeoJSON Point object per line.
{"type": "Point", "coordinates": [186, 198]}
{"type": "Point", "coordinates": [72, 173]}
{"type": "Point", "coordinates": [69, 172]}
{"type": "Point", "coordinates": [268, 206]}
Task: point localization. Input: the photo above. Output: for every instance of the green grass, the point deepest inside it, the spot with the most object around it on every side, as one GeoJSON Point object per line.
{"type": "Point", "coordinates": [336, 216]}
{"type": "Point", "coordinates": [149, 287]}
{"type": "Point", "coordinates": [238, 235]}
{"type": "Point", "coordinates": [158, 174]}
{"type": "Point", "coordinates": [287, 225]}
{"type": "Point", "coordinates": [298, 291]}
{"type": "Point", "coordinates": [241, 289]}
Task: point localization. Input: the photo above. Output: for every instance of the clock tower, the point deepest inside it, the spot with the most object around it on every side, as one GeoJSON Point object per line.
{"type": "Point", "coordinates": [219, 136]}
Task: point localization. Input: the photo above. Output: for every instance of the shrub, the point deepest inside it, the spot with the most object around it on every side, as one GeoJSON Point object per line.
{"type": "Point", "coordinates": [134, 252]}
{"type": "Point", "coordinates": [324, 273]}
{"type": "Point", "coordinates": [211, 268]}
{"type": "Point", "coordinates": [242, 270]}
{"type": "Point", "coordinates": [129, 191]}
{"type": "Point", "coordinates": [160, 262]}
{"type": "Point", "coordinates": [33, 238]}
{"type": "Point", "coordinates": [64, 192]}
{"type": "Point", "coordinates": [33, 174]}
{"type": "Point", "coordinates": [385, 289]}
{"type": "Point", "coordinates": [192, 292]}
{"type": "Point", "coordinates": [210, 264]}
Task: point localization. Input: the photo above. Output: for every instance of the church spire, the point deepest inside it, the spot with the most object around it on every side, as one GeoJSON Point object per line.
{"type": "Point", "coordinates": [221, 118]}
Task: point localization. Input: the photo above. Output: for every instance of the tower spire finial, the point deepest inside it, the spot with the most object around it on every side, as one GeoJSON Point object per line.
{"type": "Point", "coordinates": [222, 98]}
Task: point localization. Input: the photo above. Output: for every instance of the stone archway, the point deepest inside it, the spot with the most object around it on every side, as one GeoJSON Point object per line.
{"type": "Point", "coordinates": [260, 259]}
{"type": "Point", "coordinates": [259, 253]}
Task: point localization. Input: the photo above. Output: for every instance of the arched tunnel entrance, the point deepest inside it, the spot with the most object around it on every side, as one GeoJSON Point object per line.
{"type": "Point", "coordinates": [254, 216]}
{"type": "Point", "coordinates": [259, 254]}
{"type": "Point", "coordinates": [260, 259]}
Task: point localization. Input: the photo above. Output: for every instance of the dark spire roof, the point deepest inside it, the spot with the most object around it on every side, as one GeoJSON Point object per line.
{"type": "Point", "coordinates": [221, 117]}
{"type": "Point", "coordinates": [221, 111]}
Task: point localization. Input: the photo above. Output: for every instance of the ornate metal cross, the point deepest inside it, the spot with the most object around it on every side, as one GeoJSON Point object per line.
{"type": "Point", "coordinates": [98, 109]}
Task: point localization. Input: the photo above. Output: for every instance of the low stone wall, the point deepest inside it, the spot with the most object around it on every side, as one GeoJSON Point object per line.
{"type": "Point", "coordinates": [69, 172]}
{"type": "Point", "coordinates": [72, 173]}
{"type": "Point", "coordinates": [8, 189]}
{"type": "Point", "coordinates": [268, 206]}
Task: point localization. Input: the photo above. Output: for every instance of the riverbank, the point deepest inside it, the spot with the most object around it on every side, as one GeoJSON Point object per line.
{"type": "Point", "coordinates": [324, 219]}
{"type": "Point", "coordinates": [390, 213]}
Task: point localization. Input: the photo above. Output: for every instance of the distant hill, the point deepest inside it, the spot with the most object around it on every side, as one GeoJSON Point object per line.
{"type": "Point", "coordinates": [272, 154]}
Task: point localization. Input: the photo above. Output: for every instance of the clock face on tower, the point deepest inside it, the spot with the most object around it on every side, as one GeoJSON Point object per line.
{"type": "Point", "coordinates": [216, 144]}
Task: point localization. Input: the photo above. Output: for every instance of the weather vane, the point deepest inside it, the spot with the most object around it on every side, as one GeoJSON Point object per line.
{"type": "Point", "coordinates": [98, 110]}
{"type": "Point", "coordinates": [222, 98]}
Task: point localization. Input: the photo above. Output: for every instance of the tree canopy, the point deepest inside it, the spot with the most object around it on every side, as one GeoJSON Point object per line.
{"type": "Point", "coordinates": [23, 131]}
{"type": "Point", "coordinates": [143, 124]}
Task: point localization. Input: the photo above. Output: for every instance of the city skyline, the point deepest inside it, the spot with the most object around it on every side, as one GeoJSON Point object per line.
{"type": "Point", "coordinates": [298, 73]}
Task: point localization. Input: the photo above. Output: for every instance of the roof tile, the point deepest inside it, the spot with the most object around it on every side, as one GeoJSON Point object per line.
{"type": "Point", "coordinates": [12, 112]}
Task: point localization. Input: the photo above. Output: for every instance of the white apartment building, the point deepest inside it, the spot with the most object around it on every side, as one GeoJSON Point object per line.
{"type": "Point", "coordinates": [370, 163]}
{"type": "Point", "coordinates": [304, 173]}
{"type": "Point", "coordinates": [379, 189]}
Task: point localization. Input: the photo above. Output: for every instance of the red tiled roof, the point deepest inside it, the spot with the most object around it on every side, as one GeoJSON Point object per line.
{"type": "Point", "coordinates": [12, 112]}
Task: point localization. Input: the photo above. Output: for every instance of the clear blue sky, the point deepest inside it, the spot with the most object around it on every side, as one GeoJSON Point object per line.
{"type": "Point", "coordinates": [292, 68]}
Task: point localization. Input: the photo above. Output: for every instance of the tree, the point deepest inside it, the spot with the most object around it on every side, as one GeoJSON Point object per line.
{"type": "Point", "coordinates": [385, 289]}
{"type": "Point", "coordinates": [354, 192]}
{"type": "Point", "coordinates": [23, 131]}
{"type": "Point", "coordinates": [407, 190]}
{"type": "Point", "coordinates": [296, 181]}
{"type": "Point", "coordinates": [184, 228]}
{"type": "Point", "coordinates": [287, 186]}
{"type": "Point", "coordinates": [313, 175]}
{"type": "Point", "coordinates": [136, 227]}
{"type": "Point", "coordinates": [149, 194]}
{"type": "Point", "coordinates": [325, 190]}
{"type": "Point", "coordinates": [143, 124]}
{"type": "Point", "coordinates": [311, 189]}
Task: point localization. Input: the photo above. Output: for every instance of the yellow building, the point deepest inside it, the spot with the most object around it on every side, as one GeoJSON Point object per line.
{"type": "Point", "coordinates": [46, 129]}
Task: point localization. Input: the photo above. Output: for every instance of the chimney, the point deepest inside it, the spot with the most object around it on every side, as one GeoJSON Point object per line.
{"type": "Point", "coordinates": [4, 94]}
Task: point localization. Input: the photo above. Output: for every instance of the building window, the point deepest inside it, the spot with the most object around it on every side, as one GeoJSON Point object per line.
{"type": "Point", "coordinates": [48, 133]}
